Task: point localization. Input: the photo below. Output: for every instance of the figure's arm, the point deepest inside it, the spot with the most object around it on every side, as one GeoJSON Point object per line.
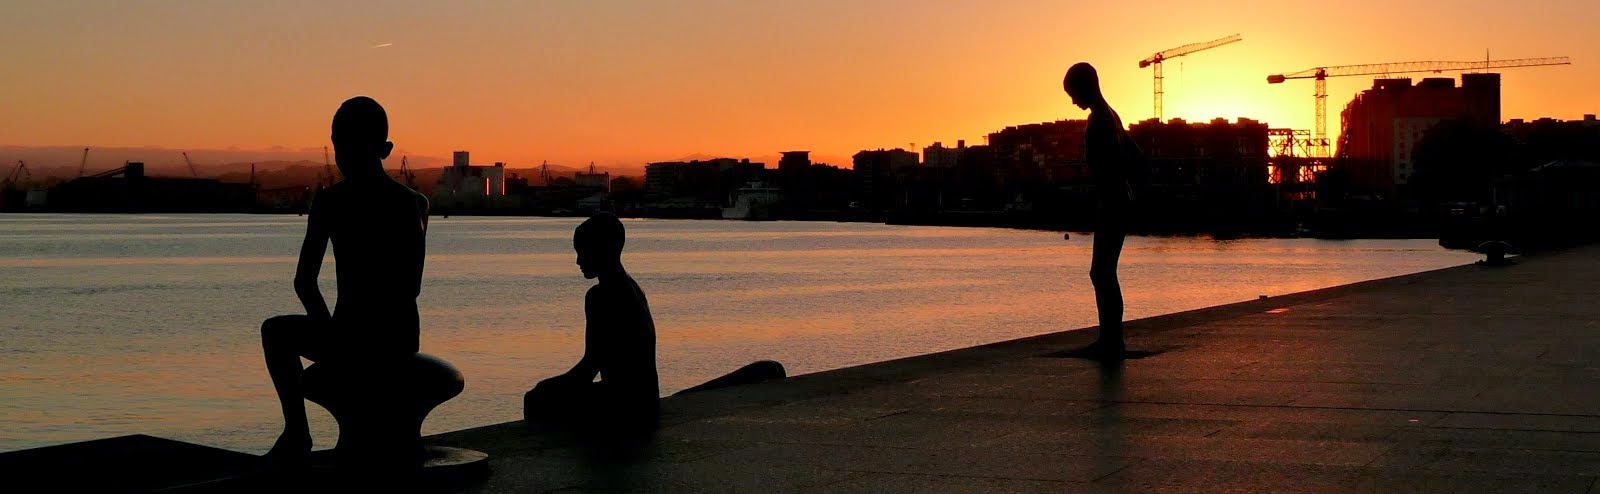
{"type": "Point", "coordinates": [422, 211]}
{"type": "Point", "coordinates": [422, 240]}
{"type": "Point", "coordinates": [594, 326]}
{"type": "Point", "coordinates": [310, 265]}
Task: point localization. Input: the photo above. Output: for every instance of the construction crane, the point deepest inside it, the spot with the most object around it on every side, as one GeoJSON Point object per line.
{"type": "Point", "coordinates": [18, 175]}
{"type": "Point", "coordinates": [1321, 74]}
{"type": "Point", "coordinates": [405, 173]}
{"type": "Point", "coordinates": [192, 170]}
{"type": "Point", "coordinates": [327, 167]}
{"type": "Point", "coordinates": [1161, 56]}
{"type": "Point", "coordinates": [82, 162]}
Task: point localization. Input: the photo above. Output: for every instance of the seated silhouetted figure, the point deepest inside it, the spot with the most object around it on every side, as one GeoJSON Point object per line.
{"type": "Point", "coordinates": [619, 347]}
{"type": "Point", "coordinates": [377, 227]}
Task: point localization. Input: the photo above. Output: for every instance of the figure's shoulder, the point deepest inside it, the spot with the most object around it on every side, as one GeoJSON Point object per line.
{"type": "Point", "coordinates": [615, 292]}
{"type": "Point", "coordinates": [328, 197]}
{"type": "Point", "coordinates": [1098, 118]}
{"type": "Point", "coordinates": [421, 200]}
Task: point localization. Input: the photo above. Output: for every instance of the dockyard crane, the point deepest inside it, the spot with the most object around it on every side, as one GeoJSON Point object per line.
{"type": "Point", "coordinates": [18, 175]}
{"type": "Point", "coordinates": [1161, 56]}
{"type": "Point", "coordinates": [82, 162]}
{"type": "Point", "coordinates": [405, 173]}
{"type": "Point", "coordinates": [192, 170]}
{"type": "Point", "coordinates": [327, 167]}
{"type": "Point", "coordinates": [1321, 74]}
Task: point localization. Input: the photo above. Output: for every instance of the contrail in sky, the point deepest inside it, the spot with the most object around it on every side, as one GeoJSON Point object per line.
{"type": "Point", "coordinates": [383, 45]}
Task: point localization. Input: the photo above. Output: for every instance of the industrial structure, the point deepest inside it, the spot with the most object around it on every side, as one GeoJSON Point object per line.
{"type": "Point", "coordinates": [17, 190]}
{"type": "Point", "coordinates": [1321, 74]}
{"type": "Point", "coordinates": [127, 189]}
{"type": "Point", "coordinates": [463, 184]}
{"type": "Point", "coordinates": [1161, 56]}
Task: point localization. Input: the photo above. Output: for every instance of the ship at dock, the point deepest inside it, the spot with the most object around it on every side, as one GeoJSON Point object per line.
{"type": "Point", "coordinates": [754, 201]}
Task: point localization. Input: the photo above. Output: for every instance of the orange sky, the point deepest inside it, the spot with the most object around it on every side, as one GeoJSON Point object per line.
{"type": "Point", "coordinates": [622, 83]}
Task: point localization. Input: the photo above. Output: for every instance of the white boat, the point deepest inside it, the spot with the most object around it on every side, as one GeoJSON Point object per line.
{"type": "Point", "coordinates": [754, 201]}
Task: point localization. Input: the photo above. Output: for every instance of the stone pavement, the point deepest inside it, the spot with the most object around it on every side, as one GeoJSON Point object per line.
{"type": "Point", "coordinates": [1470, 379]}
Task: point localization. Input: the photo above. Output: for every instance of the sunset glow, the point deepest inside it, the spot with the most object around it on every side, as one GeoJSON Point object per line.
{"type": "Point", "coordinates": [624, 83]}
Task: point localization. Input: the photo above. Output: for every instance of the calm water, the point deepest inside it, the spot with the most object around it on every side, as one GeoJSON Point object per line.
{"type": "Point", "coordinates": [148, 324]}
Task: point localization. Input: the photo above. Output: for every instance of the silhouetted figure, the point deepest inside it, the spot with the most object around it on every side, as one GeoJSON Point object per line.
{"type": "Point", "coordinates": [377, 227]}
{"type": "Point", "coordinates": [619, 346]}
{"type": "Point", "coordinates": [1110, 153]}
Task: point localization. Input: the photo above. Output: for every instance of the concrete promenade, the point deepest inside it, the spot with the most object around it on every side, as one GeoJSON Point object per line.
{"type": "Point", "coordinates": [1469, 379]}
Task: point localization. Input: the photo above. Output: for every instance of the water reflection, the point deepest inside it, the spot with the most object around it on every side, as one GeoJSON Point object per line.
{"type": "Point", "coordinates": [101, 335]}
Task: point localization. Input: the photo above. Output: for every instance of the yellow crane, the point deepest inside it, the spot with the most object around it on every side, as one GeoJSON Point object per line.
{"type": "Point", "coordinates": [1161, 56]}
{"type": "Point", "coordinates": [1319, 142]}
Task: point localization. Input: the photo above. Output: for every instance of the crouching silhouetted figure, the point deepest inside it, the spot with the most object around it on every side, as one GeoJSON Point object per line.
{"type": "Point", "coordinates": [619, 347]}
{"type": "Point", "coordinates": [367, 371]}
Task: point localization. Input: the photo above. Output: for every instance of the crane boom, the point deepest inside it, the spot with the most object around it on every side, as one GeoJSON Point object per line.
{"type": "Point", "coordinates": [1187, 49]}
{"type": "Point", "coordinates": [1414, 67]}
{"type": "Point", "coordinates": [405, 173]}
{"type": "Point", "coordinates": [17, 173]}
{"type": "Point", "coordinates": [1160, 56]}
{"type": "Point", "coordinates": [327, 167]}
{"type": "Point", "coordinates": [83, 162]}
{"type": "Point", "coordinates": [192, 170]}
{"type": "Point", "coordinates": [1321, 75]}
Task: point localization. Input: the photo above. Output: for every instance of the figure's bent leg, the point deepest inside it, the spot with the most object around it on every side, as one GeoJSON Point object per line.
{"type": "Point", "coordinates": [552, 400]}
{"type": "Point", "coordinates": [1107, 289]}
{"type": "Point", "coordinates": [283, 340]}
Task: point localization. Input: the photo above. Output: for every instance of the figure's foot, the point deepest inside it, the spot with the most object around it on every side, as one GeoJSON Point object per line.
{"type": "Point", "coordinates": [293, 448]}
{"type": "Point", "coordinates": [1100, 351]}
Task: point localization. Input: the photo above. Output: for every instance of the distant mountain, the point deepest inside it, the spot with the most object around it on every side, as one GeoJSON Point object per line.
{"type": "Point", "coordinates": [62, 162]}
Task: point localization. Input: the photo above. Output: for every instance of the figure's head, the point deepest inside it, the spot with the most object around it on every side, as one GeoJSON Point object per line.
{"type": "Point", "coordinates": [361, 136]}
{"type": "Point", "coordinates": [1083, 85]}
{"type": "Point", "coordinates": [599, 244]}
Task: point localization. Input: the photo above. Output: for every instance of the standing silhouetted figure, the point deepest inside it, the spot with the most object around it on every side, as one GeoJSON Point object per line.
{"type": "Point", "coordinates": [619, 346]}
{"type": "Point", "coordinates": [1110, 153]}
{"type": "Point", "coordinates": [377, 227]}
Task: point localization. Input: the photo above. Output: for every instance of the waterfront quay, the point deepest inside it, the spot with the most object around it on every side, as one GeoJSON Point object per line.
{"type": "Point", "coordinates": [1468, 379]}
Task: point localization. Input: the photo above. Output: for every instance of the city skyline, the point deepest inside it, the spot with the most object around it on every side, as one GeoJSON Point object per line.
{"type": "Point", "coordinates": [627, 84]}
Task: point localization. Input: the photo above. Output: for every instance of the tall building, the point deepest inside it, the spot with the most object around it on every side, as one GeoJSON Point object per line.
{"type": "Point", "coordinates": [792, 160]}
{"type": "Point", "coordinates": [1382, 125]}
{"type": "Point", "coordinates": [1040, 144]}
{"type": "Point", "coordinates": [938, 156]}
{"type": "Point", "coordinates": [1214, 153]}
{"type": "Point", "coordinates": [705, 180]}
{"type": "Point", "coordinates": [874, 175]}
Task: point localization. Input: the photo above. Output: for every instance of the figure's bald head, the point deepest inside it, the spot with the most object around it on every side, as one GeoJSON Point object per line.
{"type": "Point", "coordinates": [599, 241]}
{"type": "Point", "coordinates": [1082, 83]}
{"type": "Point", "coordinates": [602, 232]}
{"type": "Point", "coordinates": [361, 119]}
{"type": "Point", "coordinates": [361, 136]}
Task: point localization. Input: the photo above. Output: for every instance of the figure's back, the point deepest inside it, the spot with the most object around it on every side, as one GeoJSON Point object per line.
{"type": "Point", "coordinates": [378, 231]}
{"type": "Point", "coordinates": [1105, 142]}
{"type": "Point", "coordinates": [628, 333]}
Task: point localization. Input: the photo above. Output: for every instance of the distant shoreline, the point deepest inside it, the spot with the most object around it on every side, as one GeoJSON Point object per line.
{"type": "Point", "coordinates": [957, 221]}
